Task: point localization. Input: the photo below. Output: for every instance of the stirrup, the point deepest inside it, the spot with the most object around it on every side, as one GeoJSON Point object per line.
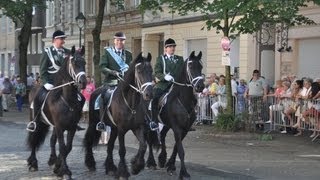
{"type": "Point", "coordinates": [153, 126]}
{"type": "Point", "coordinates": [31, 126]}
{"type": "Point", "coordinates": [101, 127]}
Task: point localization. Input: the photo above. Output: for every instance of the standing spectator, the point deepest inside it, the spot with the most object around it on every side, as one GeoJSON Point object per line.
{"type": "Point", "coordinates": [241, 89]}
{"type": "Point", "coordinates": [20, 89]}
{"type": "Point", "coordinates": [90, 87]}
{"type": "Point", "coordinates": [6, 93]}
{"type": "Point", "coordinates": [30, 81]}
{"type": "Point", "coordinates": [257, 93]}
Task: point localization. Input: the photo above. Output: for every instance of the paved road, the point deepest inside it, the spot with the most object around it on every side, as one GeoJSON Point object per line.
{"type": "Point", "coordinates": [208, 156]}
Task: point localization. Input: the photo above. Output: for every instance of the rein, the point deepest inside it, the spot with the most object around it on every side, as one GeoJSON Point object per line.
{"type": "Point", "coordinates": [141, 87]}
{"type": "Point", "coordinates": [192, 81]}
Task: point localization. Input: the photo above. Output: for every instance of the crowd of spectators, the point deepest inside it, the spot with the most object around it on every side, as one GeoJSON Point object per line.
{"type": "Point", "coordinates": [292, 102]}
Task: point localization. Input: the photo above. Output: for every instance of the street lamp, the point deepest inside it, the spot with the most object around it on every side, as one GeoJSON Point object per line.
{"type": "Point", "coordinates": [80, 22]}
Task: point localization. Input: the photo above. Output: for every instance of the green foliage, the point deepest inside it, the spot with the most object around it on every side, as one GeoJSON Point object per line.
{"type": "Point", "coordinates": [227, 122]}
{"type": "Point", "coordinates": [252, 12]}
{"type": "Point", "coordinates": [16, 9]}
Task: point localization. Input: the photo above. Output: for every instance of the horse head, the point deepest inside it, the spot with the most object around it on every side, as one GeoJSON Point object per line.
{"type": "Point", "coordinates": [143, 75]}
{"type": "Point", "coordinates": [194, 71]}
{"type": "Point", "coordinates": [76, 66]}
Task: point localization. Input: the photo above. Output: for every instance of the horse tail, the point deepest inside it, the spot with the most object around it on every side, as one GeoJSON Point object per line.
{"type": "Point", "coordinates": [36, 139]}
{"type": "Point", "coordinates": [152, 139]}
{"type": "Point", "coordinates": [92, 136]}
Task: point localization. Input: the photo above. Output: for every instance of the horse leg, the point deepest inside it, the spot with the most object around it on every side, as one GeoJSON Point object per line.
{"type": "Point", "coordinates": [61, 165]}
{"type": "Point", "coordinates": [91, 137]}
{"type": "Point", "coordinates": [122, 167]}
{"type": "Point", "coordinates": [34, 141]}
{"type": "Point", "coordinates": [32, 160]}
{"type": "Point", "coordinates": [53, 155]}
{"type": "Point", "coordinates": [171, 162]}
{"type": "Point", "coordinates": [179, 135]}
{"type": "Point", "coordinates": [110, 167]}
{"type": "Point", "coordinates": [151, 163]}
{"type": "Point", "coordinates": [137, 161]}
{"type": "Point", "coordinates": [162, 158]}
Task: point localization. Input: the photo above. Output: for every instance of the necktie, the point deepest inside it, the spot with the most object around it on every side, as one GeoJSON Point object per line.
{"type": "Point", "coordinates": [119, 53]}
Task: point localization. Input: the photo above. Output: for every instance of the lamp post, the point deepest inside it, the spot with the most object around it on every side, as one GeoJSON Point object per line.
{"type": "Point", "coordinates": [80, 22]}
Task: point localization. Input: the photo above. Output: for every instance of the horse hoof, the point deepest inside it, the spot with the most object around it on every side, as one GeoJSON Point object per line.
{"type": "Point", "coordinates": [152, 167]}
{"type": "Point", "coordinates": [185, 178]}
{"type": "Point", "coordinates": [170, 173]}
{"type": "Point", "coordinates": [66, 177]}
{"type": "Point", "coordinates": [33, 169]}
{"type": "Point", "coordinates": [111, 173]}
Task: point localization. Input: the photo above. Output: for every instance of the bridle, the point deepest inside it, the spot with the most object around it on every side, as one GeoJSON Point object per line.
{"type": "Point", "coordinates": [193, 81]}
{"type": "Point", "coordinates": [141, 88]}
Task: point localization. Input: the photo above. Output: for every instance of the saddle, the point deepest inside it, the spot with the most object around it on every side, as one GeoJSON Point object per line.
{"type": "Point", "coordinates": [104, 99]}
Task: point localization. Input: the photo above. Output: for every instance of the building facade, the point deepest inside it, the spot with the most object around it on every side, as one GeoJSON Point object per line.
{"type": "Point", "coordinates": [8, 50]}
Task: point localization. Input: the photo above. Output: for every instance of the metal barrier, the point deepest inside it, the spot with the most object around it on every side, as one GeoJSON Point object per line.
{"type": "Point", "coordinates": [280, 113]}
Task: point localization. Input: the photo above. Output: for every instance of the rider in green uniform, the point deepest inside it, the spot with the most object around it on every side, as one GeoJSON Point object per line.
{"type": "Point", "coordinates": [115, 62]}
{"type": "Point", "coordinates": [50, 63]}
{"type": "Point", "coordinates": [166, 71]}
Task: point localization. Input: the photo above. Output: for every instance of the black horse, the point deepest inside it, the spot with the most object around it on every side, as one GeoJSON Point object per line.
{"type": "Point", "coordinates": [128, 108]}
{"type": "Point", "coordinates": [62, 108]}
{"type": "Point", "coordinates": [179, 114]}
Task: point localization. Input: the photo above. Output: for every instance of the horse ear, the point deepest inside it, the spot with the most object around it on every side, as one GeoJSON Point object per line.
{"type": "Point", "coordinates": [73, 50]}
{"type": "Point", "coordinates": [139, 58]}
{"type": "Point", "coordinates": [199, 55]}
{"type": "Point", "coordinates": [192, 54]}
{"type": "Point", "coordinates": [149, 57]}
{"type": "Point", "coordinates": [82, 51]}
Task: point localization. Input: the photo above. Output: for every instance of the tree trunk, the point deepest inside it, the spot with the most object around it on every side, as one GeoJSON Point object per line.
{"type": "Point", "coordinates": [97, 41]}
{"type": "Point", "coordinates": [226, 30]}
{"type": "Point", "coordinates": [23, 38]}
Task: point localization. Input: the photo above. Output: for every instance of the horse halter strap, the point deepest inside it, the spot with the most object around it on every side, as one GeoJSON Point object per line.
{"type": "Point", "coordinates": [75, 77]}
{"type": "Point", "coordinates": [141, 88]}
{"type": "Point", "coordinates": [193, 81]}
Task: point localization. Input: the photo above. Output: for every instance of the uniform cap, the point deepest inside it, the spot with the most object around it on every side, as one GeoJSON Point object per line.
{"type": "Point", "coordinates": [169, 42]}
{"type": "Point", "coordinates": [119, 35]}
{"type": "Point", "coordinates": [58, 34]}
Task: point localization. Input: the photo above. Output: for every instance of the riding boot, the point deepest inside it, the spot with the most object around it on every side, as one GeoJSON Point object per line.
{"type": "Point", "coordinates": [101, 126]}
{"type": "Point", "coordinates": [155, 112]}
{"type": "Point", "coordinates": [37, 103]}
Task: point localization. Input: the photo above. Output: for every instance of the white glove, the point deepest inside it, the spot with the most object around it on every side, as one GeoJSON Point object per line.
{"type": "Point", "coordinates": [168, 77]}
{"type": "Point", "coordinates": [48, 86]}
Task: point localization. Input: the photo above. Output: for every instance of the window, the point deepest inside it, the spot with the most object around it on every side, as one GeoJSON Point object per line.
{"type": "Point", "coordinates": [137, 3]}
{"type": "Point", "coordinates": [39, 43]}
{"type": "Point", "coordinates": [33, 44]}
{"type": "Point", "coordinates": [3, 24]}
{"type": "Point", "coordinates": [91, 7]}
{"type": "Point", "coordinates": [10, 26]}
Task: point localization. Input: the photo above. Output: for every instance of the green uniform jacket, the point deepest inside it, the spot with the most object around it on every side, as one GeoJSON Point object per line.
{"type": "Point", "coordinates": [108, 64]}
{"type": "Point", "coordinates": [47, 71]}
{"type": "Point", "coordinates": [170, 67]}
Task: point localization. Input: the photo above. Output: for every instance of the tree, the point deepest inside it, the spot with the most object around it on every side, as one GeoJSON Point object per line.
{"type": "Point", "coordinates": [234, 17]}
{"type": "Point", "coordinates": [97, 41]}
{"type": "Point", "coordinates": [20, 12]}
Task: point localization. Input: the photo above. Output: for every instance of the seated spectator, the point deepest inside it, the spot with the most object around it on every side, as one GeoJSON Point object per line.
{"type": "Point", "coordinates": [304, 95]}
{"type": "Point", "coordinates": [313, 106]}
{"type": "Point", "coordinates": [296, 88]}
{"type": "Point", "coordinates": [277, 106]}
{"type": "Point", "coordinates": [221, 92]}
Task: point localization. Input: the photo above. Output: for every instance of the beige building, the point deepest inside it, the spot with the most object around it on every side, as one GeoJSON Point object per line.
{"type": "Point", "coordinates": [7, 47]}
{"type": "Point", "coordinates": [148, 32]}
